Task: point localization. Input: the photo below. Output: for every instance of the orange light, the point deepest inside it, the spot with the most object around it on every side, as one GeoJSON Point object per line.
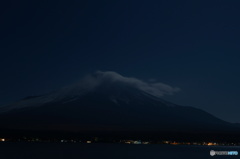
{"type": "Point", "coordinates": [1, 139]}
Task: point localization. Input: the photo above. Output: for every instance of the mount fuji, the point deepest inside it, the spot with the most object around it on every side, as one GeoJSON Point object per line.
{"type": "Point", "coordinates": [108, 102]}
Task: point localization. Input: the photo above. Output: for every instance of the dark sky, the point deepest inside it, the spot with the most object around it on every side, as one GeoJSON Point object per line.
{"type": "Point", "coordinates": [193, 45]}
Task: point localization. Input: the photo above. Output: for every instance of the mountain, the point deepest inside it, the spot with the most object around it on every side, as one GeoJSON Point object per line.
{"type": "Point", "coordinates": [108, 102]}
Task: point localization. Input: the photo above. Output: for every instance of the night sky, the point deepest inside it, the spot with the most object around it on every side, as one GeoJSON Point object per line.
{"type": "Point", "coordinates": [192, 45]}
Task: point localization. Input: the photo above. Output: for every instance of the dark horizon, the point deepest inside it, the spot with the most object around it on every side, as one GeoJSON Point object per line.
{"type": "Point", "coordinates": [190, 45]}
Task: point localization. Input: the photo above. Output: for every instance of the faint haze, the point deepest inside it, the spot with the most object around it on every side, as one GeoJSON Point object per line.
{"type": "Point", "coordinates": [155, 88]}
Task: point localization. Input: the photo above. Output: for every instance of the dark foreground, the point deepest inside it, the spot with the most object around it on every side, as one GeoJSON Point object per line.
{"type": "Point", "coordinates": [19, 150]}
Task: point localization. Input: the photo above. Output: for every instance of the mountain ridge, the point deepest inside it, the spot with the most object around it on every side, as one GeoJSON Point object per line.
{"type": "Point", "coordinates": [108, 105]}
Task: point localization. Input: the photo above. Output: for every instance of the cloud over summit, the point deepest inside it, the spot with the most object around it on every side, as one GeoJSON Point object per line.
{"type": "Point", "coordinates": [157, 89]}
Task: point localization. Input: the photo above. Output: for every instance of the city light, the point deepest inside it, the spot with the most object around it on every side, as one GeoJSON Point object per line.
{"type": "Point", "coordinates": [2, 139]}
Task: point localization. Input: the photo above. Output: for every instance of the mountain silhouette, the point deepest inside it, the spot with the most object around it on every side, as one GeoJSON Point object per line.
{"type": "Point", "coordinates": [108, 102]}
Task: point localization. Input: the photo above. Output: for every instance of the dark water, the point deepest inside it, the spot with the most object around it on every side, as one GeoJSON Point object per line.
{"type": "Point", "coordinates": [108, 151]}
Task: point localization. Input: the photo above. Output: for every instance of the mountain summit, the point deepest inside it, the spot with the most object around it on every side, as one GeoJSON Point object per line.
{"type": "Point", "coordinates": [107, 102]}
{"type": "Point", "coordinates": [110, 83]}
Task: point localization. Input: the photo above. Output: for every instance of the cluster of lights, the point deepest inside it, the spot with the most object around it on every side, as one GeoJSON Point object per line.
{"type": "Point", "coordinates": [2, 139]}
{"type": "Point", "coordinates": [200, 143]}
{"type": "Point", "coordinates": [134, 142]}
{"type": "Point", "coordinates": [96, 140]}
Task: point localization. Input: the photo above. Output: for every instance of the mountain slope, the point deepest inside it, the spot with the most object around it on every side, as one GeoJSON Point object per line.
{"type": "Point", "coordinates": [107, 104]}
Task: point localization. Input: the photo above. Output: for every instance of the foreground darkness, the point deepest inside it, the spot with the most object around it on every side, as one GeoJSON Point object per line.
{"type": "Point", "coordinates": [22, 150]}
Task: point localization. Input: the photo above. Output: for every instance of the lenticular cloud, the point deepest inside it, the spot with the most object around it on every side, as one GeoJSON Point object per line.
{"type": "Point", "coordinates": [157, 89]}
